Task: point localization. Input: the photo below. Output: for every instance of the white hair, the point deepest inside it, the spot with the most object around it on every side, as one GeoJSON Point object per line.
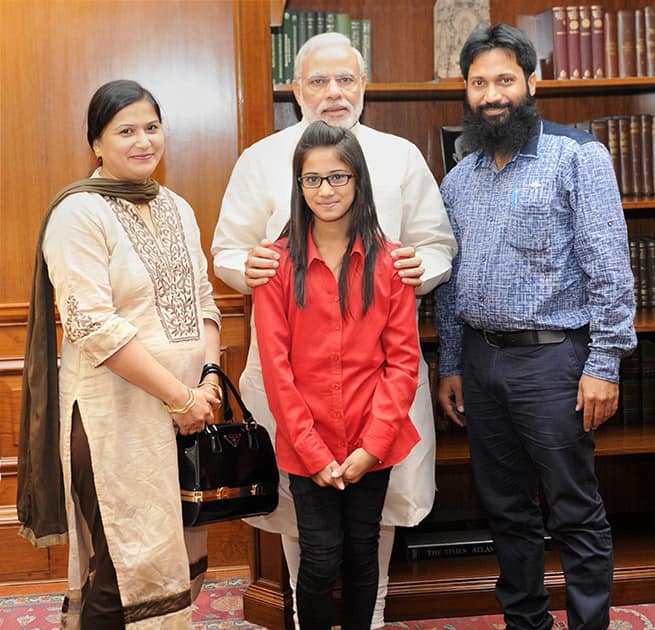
{"type": "Point", "coordinates": [324, 40]}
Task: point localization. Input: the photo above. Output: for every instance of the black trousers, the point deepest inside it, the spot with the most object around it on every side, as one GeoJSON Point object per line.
{"type": "Point", "coordinates": [101, 601]}
{"type": "Point", "coordinates": [523, 428]}
{"type": "Point", "coordinates": [339, 532]}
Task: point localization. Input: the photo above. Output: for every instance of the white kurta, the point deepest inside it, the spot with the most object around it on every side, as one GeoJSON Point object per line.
{"type": "Point", "coordinates": [256, 205]}
{"type": "Point", "coordinates": [114, 281]}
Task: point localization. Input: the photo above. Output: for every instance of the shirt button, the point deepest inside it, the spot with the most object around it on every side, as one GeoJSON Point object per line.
{"type": "Point", "coordinates": [336, 386]}
{"type": "Point", "coordinates": [481, 298]}
{"type": "Point", "coordinates": [336, 298]}
{"type": "Point", "coordinates": [334, 357]}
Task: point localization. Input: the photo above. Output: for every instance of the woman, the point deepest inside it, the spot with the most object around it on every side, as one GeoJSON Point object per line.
{"type": "Point", "coordinates": [139, 322]}
{"type": "Point", "coordinates": [338, 341]}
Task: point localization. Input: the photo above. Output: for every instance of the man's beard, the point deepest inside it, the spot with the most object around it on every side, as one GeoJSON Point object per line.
{"type": "Point", "coordinates": [501, 135]}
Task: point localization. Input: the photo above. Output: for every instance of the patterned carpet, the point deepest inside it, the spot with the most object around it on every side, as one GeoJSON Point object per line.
{"type": "Point", "coordinates": [220, 606]}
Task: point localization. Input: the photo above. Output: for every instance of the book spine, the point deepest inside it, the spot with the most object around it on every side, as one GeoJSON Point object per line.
{"type": "Point", "coordinates": [625, 42]}
{"type": "Point", "coordinates": [613, 146]}
{"type": "Point", "coordinates": [342, 24]}
{"type": "Point", "coordinates": [650, 274]}
{"type": "Point", "coordinates": [635, 154]}
{"type": "Point", "coordinates": [311, 24]}
{"type": "Point", "coordinates": [640, 44]}
{"type": "Point", "coordinates": [367, 48]}
{"type": "Point", "coordinates": [277, 55]}
{"type": "Point", "coordinates": [330, 21]}
{"type": "Point", "coordinates": [356, 34]}
{"type": "Point", "coordinates": [287, 49]}
{"type": "Point", "coordinates": [611, 44]}
{"type": "Point", "coordinates": [649, 28]}
{"type": "Point", "coordinates": [586, 58]}
{"type": "Point", "coordinates": [294, 42]}
{"type": "Point", "coordinates": [449, 551]}
{"type": "Point", "coordinates": [320, 22]}
{"type": "Point", "coordinates": [644, 280]}
{"type": "Point", "coordinates": [302, 28]}
{"type": "Point", "coordinates": [597, 41]}
{"type": "Point", "coordinates": [624, 155]}
{"type": "Point", "coordinates": [573, 41]}
{"type": "Point", "coordinates": [633, 248]}
{"type": "Point", "coordinates": [600, 130]}
{"type": "Point", "coordinates": [560, 55]}
{"type": "Point", "coordinates": [630, 388]}
{"type": "Point", "coordinates": [646, 125]}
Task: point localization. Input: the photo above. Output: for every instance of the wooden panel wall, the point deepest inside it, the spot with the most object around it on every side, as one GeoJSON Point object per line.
{"type": "Point", "coordinates": [53, 55]}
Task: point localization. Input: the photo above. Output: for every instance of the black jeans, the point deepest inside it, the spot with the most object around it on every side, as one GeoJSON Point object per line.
{"type": "Point", "coordinates": [523, 428]}
{"type": "Point", "coordinates": [339, 531]}
{"type": "Point", "coordinates": [101, 601]}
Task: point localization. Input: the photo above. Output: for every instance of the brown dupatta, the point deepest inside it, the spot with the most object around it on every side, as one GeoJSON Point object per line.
{"type": "Point", "coordinates": [40, 499]}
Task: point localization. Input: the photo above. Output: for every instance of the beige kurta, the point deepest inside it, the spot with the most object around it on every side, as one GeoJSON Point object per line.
{"type": "Point", "coordinates": [115, 280]}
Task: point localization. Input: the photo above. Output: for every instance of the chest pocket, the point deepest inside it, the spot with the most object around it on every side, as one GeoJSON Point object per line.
{"type": "Point", "coordinates": [531, 221]}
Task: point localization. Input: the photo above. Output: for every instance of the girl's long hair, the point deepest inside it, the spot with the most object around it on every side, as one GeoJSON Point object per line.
{"type": "Point", "coordinates": [364, 220]}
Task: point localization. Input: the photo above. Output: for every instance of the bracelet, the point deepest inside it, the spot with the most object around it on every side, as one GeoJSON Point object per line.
{"type": "Point", "coordinates": [189, 403]}
{"type": "Point", "coordinates": [216, 388]}
{"type": "Point", "coordinates": [209, 368]}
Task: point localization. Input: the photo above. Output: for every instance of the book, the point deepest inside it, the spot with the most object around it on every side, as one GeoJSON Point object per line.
{"type": "Point", "coordinates": [625, 40]}
{"type": "Point", "coordinates": [342, 24]}
{"type": "Point", "coordinates": [560, 52]}
{"type": "Point", "coordinates": [320, 22]}
{"type": "Point", "coordinates": [649, 27]}
{"type": "Point", "coordinates": [633, 248]}
{"type": "Point", "coordinates": [644, 279]}
{"type": "Point", "coordinates": [611, 44]}
{"type": "Point", "coordinates": [636, 154]}
{"type": "Point", "coordinates": [277, 55]}
{"type": "Point", "coordinates": [650, 271]}
{"type": "Point", "coordinates": [613, 146]}
{"type": "Point", "coordinates": [573, 41]}
{"type": "Point", "coordinates": [311, 24]}
{"type": "Point", "coordinates": [597, 41]}
{"type": "Point", "coordinates": [648, 183]}
{"type": "Point", "coordinates": [640, 44]}
{"type": "Point", "coordinates": [625, 158]}
{"type": "Point", "coordinates": [630, 389]}
{"type": "Point", "coordinates": [330, 21]}
{"type": "Point", "coordinates": [600, 130]}
{"type": "Point", "coordinates": [302, 29]}
{"type": "Point", "coordinates": [356, 34]}
{"type": "Point", "coordinates": [586, 58]}
{"type": "Point", "coordinates": [647, 357]}
{"type": "Point", "coordinates": [367, 48]}
{"type": "Point", "coordinates": [288, 56]}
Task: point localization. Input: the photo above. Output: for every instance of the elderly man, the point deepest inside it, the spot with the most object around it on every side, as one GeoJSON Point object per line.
{"type": "Point", "coordinates": [533, 325]}
{"type": "Point", "coordinates": [329, 85]}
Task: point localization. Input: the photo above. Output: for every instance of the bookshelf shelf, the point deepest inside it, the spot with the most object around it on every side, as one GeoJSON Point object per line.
{"type": "Point", "coordinates": [638, 203]}
{"type": "Point", "coordinates": [452, 448]}
{"type": "Point", "coordinates": [453, 89]}
{"type": "Point", "coordinates": [465, 585]}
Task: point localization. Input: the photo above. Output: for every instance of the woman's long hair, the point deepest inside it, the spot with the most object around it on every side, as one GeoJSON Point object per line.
{"type": "Point", "coordinates": [364, 220]}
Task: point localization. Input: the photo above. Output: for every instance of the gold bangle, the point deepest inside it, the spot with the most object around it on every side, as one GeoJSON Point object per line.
{"type": "Point", "coordinates": [189, 403]}
{"type": "Point", "coordinates": [216, 388]}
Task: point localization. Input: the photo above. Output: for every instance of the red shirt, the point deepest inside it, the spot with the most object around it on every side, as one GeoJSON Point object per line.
{"type": "Point", "coordinates": [335, 385]}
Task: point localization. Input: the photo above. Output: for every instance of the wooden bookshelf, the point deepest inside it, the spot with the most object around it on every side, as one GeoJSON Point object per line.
{"type": "Point", "coordinates": [405, 100]}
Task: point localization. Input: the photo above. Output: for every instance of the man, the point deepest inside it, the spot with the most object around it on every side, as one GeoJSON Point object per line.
{"type": "Point", "coordinates": [329, 85]}
{"type": "Point", "coordinates": [533, 324]}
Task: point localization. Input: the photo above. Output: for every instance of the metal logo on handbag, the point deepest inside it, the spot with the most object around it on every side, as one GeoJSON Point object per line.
{"type": "Point", "coordinates": [228, 471]}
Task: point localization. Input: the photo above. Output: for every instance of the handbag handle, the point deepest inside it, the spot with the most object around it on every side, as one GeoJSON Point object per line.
{"type": "Point", "coordinates": [228, 413]}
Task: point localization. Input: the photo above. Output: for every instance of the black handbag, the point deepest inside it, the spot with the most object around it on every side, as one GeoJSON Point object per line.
{"type": "Point", "coordinates": [228, 470]}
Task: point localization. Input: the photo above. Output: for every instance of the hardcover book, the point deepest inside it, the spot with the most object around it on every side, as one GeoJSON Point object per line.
{"type": "Point", "coordinates": [636, 154]}
{"type": "Point", "coordinates": [586, 57]}
{"type": "Point", "coordinates": [649, 27]}
{"type": "Point", "coordinates": [646, 127]}
{"type": "Point", "coordinates": [560, 50]}
{"type": "Point", "coordinates": [625, 39]}
{"type": "Point", "coordinates": [611, 45]}
{"type": "Point", "coordinates": [597, 41]}
{"type": "Point", "coordinates": [573, 41]}
{"type": "Point", "coordinates": [640, 44]}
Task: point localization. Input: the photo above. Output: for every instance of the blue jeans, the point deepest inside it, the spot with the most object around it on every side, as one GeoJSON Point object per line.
{"type": "Point", "coordinates": [339, 531]}
{"type": "Point", "coordinates": [523, 428]}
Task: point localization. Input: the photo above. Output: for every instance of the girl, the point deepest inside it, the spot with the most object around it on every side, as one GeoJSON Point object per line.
{"type": "Point", "coordinates": [337, 334]}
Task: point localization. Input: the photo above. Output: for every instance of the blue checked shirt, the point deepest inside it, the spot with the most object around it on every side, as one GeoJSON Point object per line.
{"type": "Point", "coordinates": [542, 245]}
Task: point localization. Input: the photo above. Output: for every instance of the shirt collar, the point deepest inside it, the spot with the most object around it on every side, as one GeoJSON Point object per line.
{"type": "Point", "coordinates": [314, 254]}
{"type": "Point", "coordinates": [529, 149]}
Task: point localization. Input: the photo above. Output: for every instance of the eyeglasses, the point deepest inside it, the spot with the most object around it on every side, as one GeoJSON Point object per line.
{"type": "Point", "coordinates": [343, 81]}
{"type": "Point", "coordinates": [316, 181]}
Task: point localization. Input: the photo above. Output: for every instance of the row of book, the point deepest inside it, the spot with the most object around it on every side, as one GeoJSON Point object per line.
{"type": "Point", "coordinates": [630, 142]}
{"type": "Point", "coordinates": [642, 262]}
{"type": "Point", "coordinates": [298, 26]}
{"type": "Point", "coordinates": [587, 42]}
